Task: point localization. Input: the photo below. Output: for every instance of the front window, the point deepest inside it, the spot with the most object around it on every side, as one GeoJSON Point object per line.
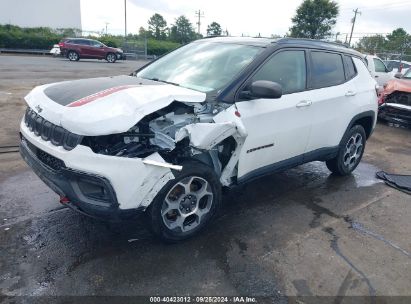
{"type": "Point", "coordinates": [201, 66]}
{"type": "Point", "coordinates": [379, 66]}
{"type": "Point", "coordinates": [407, 75]}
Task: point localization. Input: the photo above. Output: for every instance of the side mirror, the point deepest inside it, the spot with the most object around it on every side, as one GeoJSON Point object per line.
{"type": "Point", "coordinates": [101, 45]}
{"type": "Point", "coordinates": [398, 75]}
{"type": "Point", "coordinates": [266, 89]}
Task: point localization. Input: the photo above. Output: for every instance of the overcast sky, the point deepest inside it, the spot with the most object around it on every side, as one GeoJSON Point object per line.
{"type": "Point", "coordinates": [243, 17]}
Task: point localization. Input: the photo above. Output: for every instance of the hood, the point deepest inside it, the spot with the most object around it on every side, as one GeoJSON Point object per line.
{"type": "Point", "coordinates": [403, 85]}
{"type": "Point", "coordinates": [106, 105]}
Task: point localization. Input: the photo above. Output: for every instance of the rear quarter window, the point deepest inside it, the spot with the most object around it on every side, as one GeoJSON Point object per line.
{"type": "Point", "coordinates": [327, 69]}
{"type": "Point", "coordinates": [350, 69]}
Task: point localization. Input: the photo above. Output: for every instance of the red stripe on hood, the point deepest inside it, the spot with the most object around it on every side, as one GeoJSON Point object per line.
{"type": "Point", "coordinates": [90, 98]}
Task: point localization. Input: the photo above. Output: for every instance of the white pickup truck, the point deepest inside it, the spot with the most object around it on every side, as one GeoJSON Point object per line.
{"type": "Point", "coordinates": [378, 69]}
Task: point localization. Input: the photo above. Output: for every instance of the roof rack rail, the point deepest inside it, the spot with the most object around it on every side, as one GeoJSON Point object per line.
{"type": "Point", "coordinates": [315, 41]}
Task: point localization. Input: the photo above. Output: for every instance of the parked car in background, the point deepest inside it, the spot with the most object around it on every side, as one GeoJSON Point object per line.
{"type": "Point", "coordinates": [398, 66]}
{"type": "Point", "coordinates": [214, 113]}
{"type": "Point", "coordinates": [379, 71]}
{"type": "Point", "coordinates": [78, 48]}
{"type": "Point", "coordinates": [395, 100]}
{"type": "Point", "coordinates": [55, 51]}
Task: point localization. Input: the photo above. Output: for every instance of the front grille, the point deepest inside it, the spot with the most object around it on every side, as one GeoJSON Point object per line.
{"type": "Point", "coordinates": [57, 135]}
{"type": "Point", "coordinates": [47, 159]}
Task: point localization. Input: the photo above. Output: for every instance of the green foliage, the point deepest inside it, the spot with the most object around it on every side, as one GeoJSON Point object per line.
{"type": "Point", "coordinates": [214, 29]}
{"type": "Point", "coordinates": [12, 36]}
{"type": "Point", "coordinates": [314, 19]}
{"type": "Point", "coordinates": [371, 44]}
{"type": "Point", "coordinates": [109, 40]}
{"type": "Point", "coordinates": [399, 41]}
{"type": "Point", "coordinates": [157, 27]}
{"type": "Point", "coordinates": [182, 31]}
{"type": "Point", "coordinates": [158, 47]}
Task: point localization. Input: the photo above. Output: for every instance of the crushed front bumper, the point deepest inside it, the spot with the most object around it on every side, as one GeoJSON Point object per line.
{"type": "Point", "coordinates": [395, 113]}
{"type": "Point", "coordinates": [90, 194]}
{"type": "Point", "coordinates": [95, 184]}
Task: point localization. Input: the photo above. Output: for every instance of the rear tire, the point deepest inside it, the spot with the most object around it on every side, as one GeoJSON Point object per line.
{"type": "Point", "coordinates": [73, 56]}
{"type": "Point", "coordinates": [111, 57]}
{"type": "Point", "coordinates": [350, 152]}
{"type": "Point", "coordinates": [186, 204]}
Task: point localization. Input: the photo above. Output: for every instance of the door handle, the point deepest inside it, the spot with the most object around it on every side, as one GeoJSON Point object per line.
{"type": "Point", "coordinates": [350, 93]}
{"type": "Point", "coordinates": [304, 103]}
{"type": "Point", "coordinates": [376, 76]}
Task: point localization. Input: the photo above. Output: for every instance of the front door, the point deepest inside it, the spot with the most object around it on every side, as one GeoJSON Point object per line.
{"type": "Point", "coordinates": [278, 129]}
{"type": "Point", "coordinates": [381, 72]}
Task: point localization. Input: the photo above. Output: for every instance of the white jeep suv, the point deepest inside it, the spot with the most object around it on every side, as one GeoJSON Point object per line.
{"type": "Point", "coordinates": [214, 113]}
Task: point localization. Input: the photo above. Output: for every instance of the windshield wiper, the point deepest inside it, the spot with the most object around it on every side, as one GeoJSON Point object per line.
{"type": "Point", "coordinates": [164, 81]}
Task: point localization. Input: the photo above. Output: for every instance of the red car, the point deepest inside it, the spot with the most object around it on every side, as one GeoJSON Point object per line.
{"type": "Point", "coordinates": [79, 48]}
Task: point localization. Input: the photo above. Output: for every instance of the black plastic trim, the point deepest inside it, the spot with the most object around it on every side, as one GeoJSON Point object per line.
{"type": "Point", "coordinates": [357, 117]}
{"type": "Point", "coordinates": [322, 154]}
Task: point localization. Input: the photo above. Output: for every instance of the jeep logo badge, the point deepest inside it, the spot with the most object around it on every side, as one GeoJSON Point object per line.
{"type": "Point", "coordinates": [39, 109]}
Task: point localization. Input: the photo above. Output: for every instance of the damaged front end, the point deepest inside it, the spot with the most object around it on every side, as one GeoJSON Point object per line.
{"type": "Point", "coordinates": [178, 132]}
{"type": "Point", "coordinates": [396, 108]}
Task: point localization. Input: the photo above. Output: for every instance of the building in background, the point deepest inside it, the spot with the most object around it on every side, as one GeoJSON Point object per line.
{"type": "Point", "coordinates": [47, 13]}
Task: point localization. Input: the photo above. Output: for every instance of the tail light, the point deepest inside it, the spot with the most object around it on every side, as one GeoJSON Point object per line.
{"type": "Point", "coordinates": [400, 68]}
{"type": "Point", "coordinates": [61, 44]}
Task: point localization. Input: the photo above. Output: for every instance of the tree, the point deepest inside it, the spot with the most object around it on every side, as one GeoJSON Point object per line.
{"type": "Point", "coordinates": [398, 40]}
{"type": "Point", "coordinates": [371, 44]}
{"type": "Point", "coordinates": [214, 29]}
{"type": "Point", "coordinates": [314, 19]}
{"type": "Point", "coordinates": [157, 26]}
{"type": "Point", "coordinates": [182, 31]}
{"type": "Point", "coordinates": [142, 32]}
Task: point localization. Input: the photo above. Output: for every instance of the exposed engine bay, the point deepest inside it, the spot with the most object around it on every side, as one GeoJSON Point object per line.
{"type": "Point", "coordinates": [161, 132]}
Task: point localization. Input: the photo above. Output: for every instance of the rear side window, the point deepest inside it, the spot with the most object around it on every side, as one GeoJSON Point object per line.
{"type": "Point", "coordinates": [327, 70]}
{"type": "Point", "coordinates": [379, 65]}
{"type": "Point", "coordinates": [350, 70]}
{"type": "Point", "coordinates": [286, 68]}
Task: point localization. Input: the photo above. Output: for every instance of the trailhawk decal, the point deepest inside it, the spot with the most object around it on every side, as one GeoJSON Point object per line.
{"type": "Point", "coordinates": [98, 95]}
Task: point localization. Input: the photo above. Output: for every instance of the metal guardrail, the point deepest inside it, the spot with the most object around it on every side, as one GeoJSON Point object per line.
{"type": "Point", "coordinates": [25, 51]}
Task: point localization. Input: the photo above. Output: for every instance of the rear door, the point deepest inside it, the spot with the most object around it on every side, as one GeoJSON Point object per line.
{"type": "Point", "coordinates": [86, 50]}
{"type": "Point", "coordinates": [334, 96]}
{"type": "Point", "coordinates": [277, 129]}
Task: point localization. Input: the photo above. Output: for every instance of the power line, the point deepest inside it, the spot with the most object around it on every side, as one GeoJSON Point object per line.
{"type": "Point", "coordinates": [380, 6]}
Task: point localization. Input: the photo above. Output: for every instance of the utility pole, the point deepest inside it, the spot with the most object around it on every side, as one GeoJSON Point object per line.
{"type": "Point", "coordinates": [107, 23]}
{"type": "Point", "coordinates": [353, 23]}
{"type": "Point", "coordinates": [199, 15]}
{"type": "Point", "coordinates": [125, 19]}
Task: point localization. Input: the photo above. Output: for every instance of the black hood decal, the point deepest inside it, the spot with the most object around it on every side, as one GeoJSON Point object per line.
{"type": "Point", "coordinates": [68, 92]}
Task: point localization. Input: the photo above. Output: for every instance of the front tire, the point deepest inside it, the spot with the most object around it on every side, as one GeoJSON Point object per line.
{"type": "Point", "coordinates": [73, 56]}
{"type": "Point", "coordinates": [186, 204]}
{"type": "Point", "coordinates": [111, 57]}
{"type": "Point", "coordinates": [350, 152]}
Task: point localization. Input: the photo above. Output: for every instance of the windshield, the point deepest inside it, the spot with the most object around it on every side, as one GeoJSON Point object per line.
{"type": "Point", "coordinates": [201, 66]}
{"type": "Point", "coordinates": [407, 75]}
